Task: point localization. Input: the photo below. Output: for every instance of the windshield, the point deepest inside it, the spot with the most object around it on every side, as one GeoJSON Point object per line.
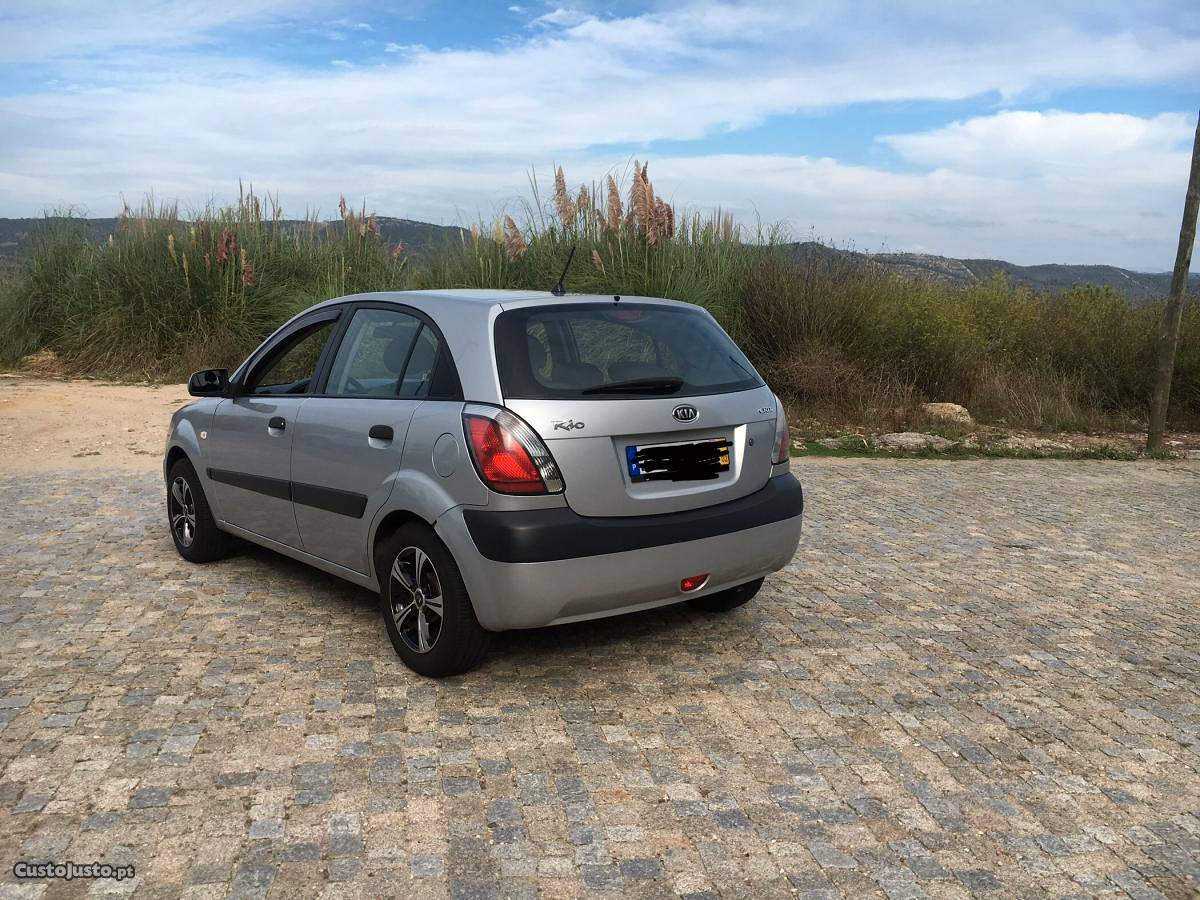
{"type": "Point", "coordinates": [616, 350]}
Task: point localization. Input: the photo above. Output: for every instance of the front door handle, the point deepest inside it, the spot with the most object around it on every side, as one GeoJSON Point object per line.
{"type": "Point", "coordinates": [381, 433]}
{"type": "Point", "coordinates": [277, 423]}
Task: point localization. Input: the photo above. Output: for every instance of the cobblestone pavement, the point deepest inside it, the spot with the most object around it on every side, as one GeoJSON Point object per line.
{"type": "Point", "coordinates": [976, 679]}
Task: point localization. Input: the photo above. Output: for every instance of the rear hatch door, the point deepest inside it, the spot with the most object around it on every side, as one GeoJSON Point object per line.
{"type": "Point", "coordinates": [646, 408]}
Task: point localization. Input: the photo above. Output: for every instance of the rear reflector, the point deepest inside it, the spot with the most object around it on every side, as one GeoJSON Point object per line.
{"type": "Point", "coordinates": [693, 583]}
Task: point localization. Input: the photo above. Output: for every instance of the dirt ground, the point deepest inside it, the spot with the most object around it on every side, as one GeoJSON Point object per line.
{"type": "Point", "coordinates": [52, 424]}
{"type": "Point", "coordinates": [49, 425]}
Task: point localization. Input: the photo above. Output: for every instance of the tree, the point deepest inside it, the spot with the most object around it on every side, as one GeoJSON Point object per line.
{"type": "Point", "coordinates": [1169, 337]}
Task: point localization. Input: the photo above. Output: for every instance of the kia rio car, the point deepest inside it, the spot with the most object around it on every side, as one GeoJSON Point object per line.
{"type": "Point", "coordinates": [489, 460]}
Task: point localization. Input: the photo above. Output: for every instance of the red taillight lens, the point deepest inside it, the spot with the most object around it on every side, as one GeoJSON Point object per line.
{"type": "Point", "coordinates": [505, 465]}
{"type": "Point", "coordinates": [693, 582]}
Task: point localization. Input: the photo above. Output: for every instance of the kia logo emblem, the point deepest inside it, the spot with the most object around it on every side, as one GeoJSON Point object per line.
{"type": "Point", "coordinates": [686, 413]}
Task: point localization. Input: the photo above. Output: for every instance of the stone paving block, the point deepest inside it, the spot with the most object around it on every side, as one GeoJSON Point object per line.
{"type": "Point", "coordinates": [976, 679]}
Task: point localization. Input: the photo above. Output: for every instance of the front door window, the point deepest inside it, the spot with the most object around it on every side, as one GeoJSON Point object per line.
{"type": "Point", "coordinates": [290, 368]}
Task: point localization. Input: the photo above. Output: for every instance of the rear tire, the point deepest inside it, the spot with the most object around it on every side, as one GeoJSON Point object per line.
{"type": "Point", "coordinates": [730, 598]}
{"type": "Point", "coordinates": [193, 528]}
{"type": "Point", "coordinates": [425, 605]}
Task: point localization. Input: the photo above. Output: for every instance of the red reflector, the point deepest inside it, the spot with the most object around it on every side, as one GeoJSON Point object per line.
{"type": "Point", "coordinates": [503, 462]}
{"type": "Point", "coordinates": [694, 583]}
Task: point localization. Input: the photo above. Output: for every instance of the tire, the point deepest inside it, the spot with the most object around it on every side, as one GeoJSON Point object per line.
{"type": "Point", "coordinates": [730, 598]}
{"type": "Point", "coordinates": [413, 566]}
{"type": "Point", "coordinates": [190, 519]}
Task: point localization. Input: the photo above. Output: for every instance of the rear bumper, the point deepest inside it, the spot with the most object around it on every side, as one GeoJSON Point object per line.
{"type": "Point", "coordinates": [529, 568]}
{"type": "Point", "coordinates": [547, 535]}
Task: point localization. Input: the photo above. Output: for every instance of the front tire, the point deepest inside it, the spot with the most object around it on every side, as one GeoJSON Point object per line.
{"type": "Point", "coordinates": [731, 598]}
{"type": "Point", "coordinates": [425, 605]}
{"type": "Point", "coordinates": [193, 528]}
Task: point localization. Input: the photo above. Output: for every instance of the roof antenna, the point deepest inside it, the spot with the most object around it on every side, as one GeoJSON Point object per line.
{"type": "Point", "coordinates": [559, 290]}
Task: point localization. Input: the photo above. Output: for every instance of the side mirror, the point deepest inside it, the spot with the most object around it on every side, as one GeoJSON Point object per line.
{"type": "Point", "coordinates": [209, 383]}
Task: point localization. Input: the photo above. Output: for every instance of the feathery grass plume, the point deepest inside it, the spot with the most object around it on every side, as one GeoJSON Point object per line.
{"type": "Point", "coordinates": [399, 249]}
{"type": "Point", "coordinates": [171, 247]}
{"type": "Point", "coordinates": [615, 209]}
{"type": "Point", "coordinates": [664, 219]}
{"type": "Point", "coordinates": [583, 203]}
{"type": "Point", "coordinates": [640, 203]}
{"type": "Point", "coordinates": [598, 261]}
{"type": "Point", "coordinates": [247, 271]}
{"type": "Point", "coordinates": [226, 246]}
{"type": "Point", "coordinates": [498, 231]}
{"type": "Point", "coordinates": [474, 231]}
{"type": "Point", "coordinates": [514, 241]}
{"type": "Point", "coordinates": [562, 200]}
{"type": "Point", "coordinates": [729, 231]}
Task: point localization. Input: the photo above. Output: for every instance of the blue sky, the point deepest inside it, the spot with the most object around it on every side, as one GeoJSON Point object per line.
{"type": "Point", "coordinates": [1027, 131]}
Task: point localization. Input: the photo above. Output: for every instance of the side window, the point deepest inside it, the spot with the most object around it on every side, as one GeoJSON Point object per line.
{"type": "Point", "coordinates": [373, 353]}
{"type": "Point", "coordinates": [430, 374]}
{"type": "Point", "coordinates": [290, 368]}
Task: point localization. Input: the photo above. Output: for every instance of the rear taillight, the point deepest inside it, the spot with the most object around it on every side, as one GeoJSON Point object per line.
{"type": "Point", "coordinates": [783, 436]}
{"type": "Point", "coordinates": [508, 454]}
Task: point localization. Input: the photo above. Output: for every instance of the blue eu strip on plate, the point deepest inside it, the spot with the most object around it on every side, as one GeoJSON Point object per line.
{"type": "Point", "coordinates": [635, 471]}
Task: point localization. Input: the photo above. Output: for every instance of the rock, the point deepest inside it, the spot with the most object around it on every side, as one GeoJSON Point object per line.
{"type": "Point", "coordinates": [1191, 454]}
{"type": "Point", "coordinates": [1037, 444]}
{"type": "Point", "coordinates": [948, 412]}
{"type": "Point", "coordinates": [912, 440]}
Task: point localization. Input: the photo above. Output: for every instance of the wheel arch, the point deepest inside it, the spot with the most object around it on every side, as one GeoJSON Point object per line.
{"type": "Point", "coordinates": [392, 522]}
{"type": "Point", "coordinates": [174, 455]}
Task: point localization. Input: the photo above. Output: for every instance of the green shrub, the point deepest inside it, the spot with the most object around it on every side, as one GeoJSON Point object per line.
{"type": "Point", "coordinates": [162, 295]}
{"type": "Point", "coordinates": [838, 339]}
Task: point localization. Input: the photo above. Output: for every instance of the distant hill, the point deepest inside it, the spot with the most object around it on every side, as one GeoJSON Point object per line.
{"type": "Point", "coordinates": [1137, 286]}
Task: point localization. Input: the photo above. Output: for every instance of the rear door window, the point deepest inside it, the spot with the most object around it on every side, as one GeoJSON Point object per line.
{"type": "Point", "coordinates": [607, 350]}
{"type": "Point", "coordinates": [391, 353]}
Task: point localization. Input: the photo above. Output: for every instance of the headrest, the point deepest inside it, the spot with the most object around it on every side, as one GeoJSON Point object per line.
{"type": "Point", "coordinates": [537, 353]}
{"type": "Point", "coordinates": [396, 352]}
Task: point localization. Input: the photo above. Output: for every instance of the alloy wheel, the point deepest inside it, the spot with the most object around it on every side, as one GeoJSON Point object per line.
{"type": "Point", "coordinates": [416, 599]}
{"type": "Point", "coordinates": [183, 512]}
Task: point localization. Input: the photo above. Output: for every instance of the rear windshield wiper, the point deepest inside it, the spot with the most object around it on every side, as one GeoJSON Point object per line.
{"type": "Point", "coordinates": [668, 384]}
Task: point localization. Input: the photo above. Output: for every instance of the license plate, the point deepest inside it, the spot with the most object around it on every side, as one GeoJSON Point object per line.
{"type": "Point", "coordinates": [692, 461]}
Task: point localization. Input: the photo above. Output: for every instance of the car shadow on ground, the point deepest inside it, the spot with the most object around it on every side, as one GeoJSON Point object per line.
{"type": "Point", "coordinates": [541, 645]}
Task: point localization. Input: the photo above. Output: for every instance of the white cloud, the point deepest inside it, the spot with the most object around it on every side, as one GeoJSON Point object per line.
{"type": "Point", "coordinates": [393, 47]}
{"type": "Point", "coordinates": [561, 16]}
{"type": "Point", "coordinates": [435, 134]}
{"type": "Point", "coordinates": [1021, 142]}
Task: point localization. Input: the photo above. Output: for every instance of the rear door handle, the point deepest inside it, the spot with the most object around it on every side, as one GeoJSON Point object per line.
{"type": "Point", "coordinates": [277, 422]}
{"type": "Point", "coordinates": [381, 433]}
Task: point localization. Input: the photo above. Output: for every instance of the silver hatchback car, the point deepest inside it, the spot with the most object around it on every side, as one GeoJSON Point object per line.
{"type": "Point", "coordinates": [489, 460]}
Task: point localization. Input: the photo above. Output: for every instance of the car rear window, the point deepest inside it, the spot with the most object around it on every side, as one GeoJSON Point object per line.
{"type": "Point", "coordinates": [616, 350]}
